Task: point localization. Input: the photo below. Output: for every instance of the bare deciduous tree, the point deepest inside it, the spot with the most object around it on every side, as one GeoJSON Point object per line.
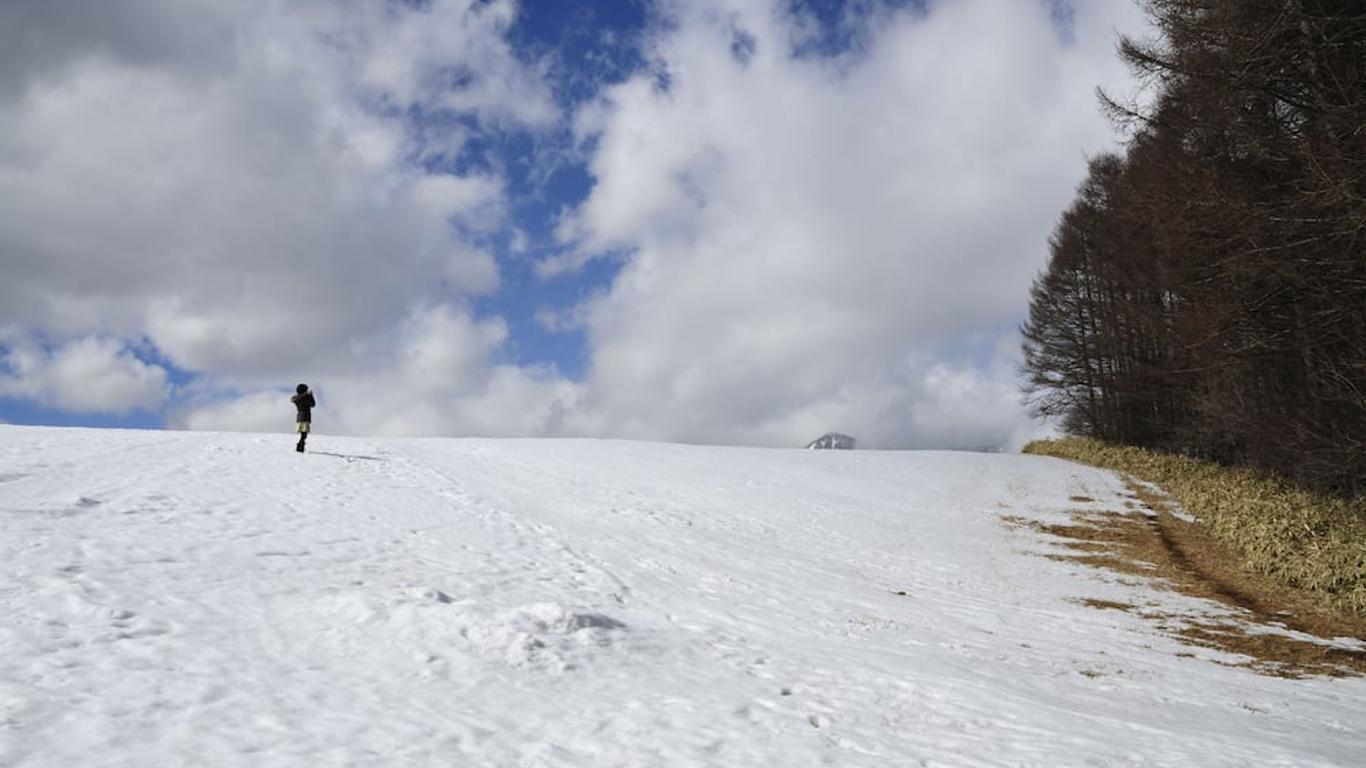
{"type": "Point", "coordinates": [1206, 293]}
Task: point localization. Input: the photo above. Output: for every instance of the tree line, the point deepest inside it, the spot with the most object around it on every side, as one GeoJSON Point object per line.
{"type": "Point", "coordinates": [1206, 290]}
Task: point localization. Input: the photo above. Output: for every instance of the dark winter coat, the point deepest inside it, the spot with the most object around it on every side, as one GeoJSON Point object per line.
{"type": "Point", "coordinates": [304, 403]}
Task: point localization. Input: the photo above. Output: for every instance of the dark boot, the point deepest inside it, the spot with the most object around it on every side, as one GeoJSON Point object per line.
{"type": "Point", "coordinates": [300, 446]}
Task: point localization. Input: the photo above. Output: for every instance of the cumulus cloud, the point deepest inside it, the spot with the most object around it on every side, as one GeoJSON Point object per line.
{"type": "Point", "coordinates": [811, 236]}
{"type": "Point", "coordinates": [254, 202]}
{"type": "Point", "coordinates": [39, 38]}
{"type": "Point", "coordinates": [437, 375]}
{"type": "Point", "coordinates": [266, 411]}
{"type": "Point", "coordinates": [88, 375]}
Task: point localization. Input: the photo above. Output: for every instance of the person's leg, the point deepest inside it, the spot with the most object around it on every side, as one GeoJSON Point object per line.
{"type": "Point", "coordinates": [303, 436]}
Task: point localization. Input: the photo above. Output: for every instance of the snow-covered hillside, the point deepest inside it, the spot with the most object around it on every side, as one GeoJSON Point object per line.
{"type": "Point", "coordinates": [217, 599]}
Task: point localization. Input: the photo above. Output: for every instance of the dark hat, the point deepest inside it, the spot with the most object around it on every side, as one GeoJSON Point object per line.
{"type": "Point", "coordinates": [302, 388]}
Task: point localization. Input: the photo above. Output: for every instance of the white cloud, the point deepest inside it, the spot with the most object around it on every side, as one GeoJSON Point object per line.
{"type": "Point", "coordinates": [244, 187]}
{"type": "Point", "coordinates": [88, 375]}
{"type": "Point", "coordinates": [411, 58]}
{"type": "Point", "coordinates": [257, 412]}
{"type": "Point", "coordinates": [257, 210]}
{"type": "Point", "coordinates": [810, 235]}
{"type": "Point", "coordinates": [437, 375]}
{"type": "Point", "coordinates": [39, 38]}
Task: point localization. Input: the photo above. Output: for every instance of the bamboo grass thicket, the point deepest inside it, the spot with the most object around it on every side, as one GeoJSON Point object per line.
{"type": "Point", "coordinates": [1301, 538]}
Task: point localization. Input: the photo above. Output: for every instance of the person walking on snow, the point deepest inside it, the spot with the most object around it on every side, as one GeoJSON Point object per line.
{"type": "Point", "coordinates": [304, 402]}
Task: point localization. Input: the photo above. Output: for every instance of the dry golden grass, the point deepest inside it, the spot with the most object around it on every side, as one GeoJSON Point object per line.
{"type": "Point", "coordinates": [1302, 540]}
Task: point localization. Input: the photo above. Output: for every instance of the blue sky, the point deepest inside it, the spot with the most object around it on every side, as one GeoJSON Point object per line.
{"type": "Point", "coordinates": [587, 46]}
{"type": "Point", "coordinates": [724, 221]}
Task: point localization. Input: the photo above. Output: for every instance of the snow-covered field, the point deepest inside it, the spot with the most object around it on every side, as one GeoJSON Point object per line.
{"type": "Point", "coordinates": [217, 599]}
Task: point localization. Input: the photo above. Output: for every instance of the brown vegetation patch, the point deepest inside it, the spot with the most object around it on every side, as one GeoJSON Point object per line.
{"type": "Point", "coordinates": [1082, 499]}
{"type": "Point", "coordinates": [1181, 556]}
{"type": "Point", "coordinates": [1101, 539]}
{"type": "Point", "coordinates": [1106, 605]}
{"type": "Point", "coordinates": [1273, 653]}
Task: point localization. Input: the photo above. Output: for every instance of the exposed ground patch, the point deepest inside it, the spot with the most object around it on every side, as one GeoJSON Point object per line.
{"type": "Point", "coordinates": [1309, 541]}
{"type": "Point", "coordinates": [1279, 630]}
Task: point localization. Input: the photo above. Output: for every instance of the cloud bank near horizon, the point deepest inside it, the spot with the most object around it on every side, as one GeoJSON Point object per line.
{"type": "Point", "coordinates": [201, 205]}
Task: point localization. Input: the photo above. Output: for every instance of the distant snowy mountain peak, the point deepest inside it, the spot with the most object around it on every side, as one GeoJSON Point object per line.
{"type": "Point", "coordinates": [832, 440]}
